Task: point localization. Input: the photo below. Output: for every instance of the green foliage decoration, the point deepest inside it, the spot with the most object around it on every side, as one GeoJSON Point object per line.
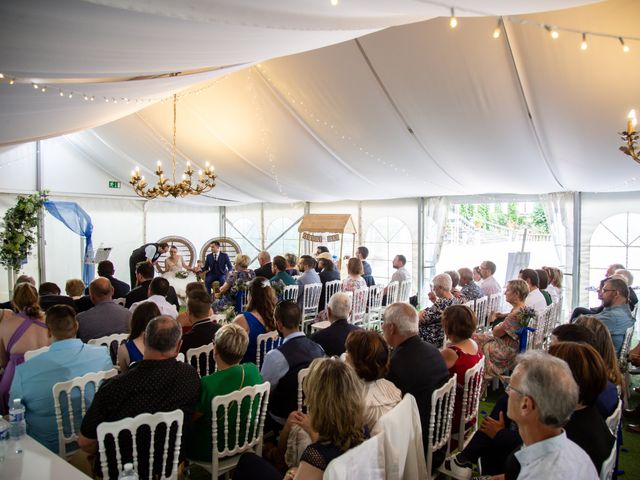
{"type": "Point", "coordinates": [19, 230]}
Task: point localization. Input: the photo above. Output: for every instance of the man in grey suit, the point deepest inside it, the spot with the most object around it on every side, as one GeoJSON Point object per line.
{"type": "Point", "coordinates": [106, 317]}
{"type": "Point", "coordinates": [309, 275]}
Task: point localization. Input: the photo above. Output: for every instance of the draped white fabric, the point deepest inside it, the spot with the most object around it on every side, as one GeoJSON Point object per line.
{"type": "Point", "coordinates": [558, 208]}
{"type": "Point", "coordinates": [436, 210]}
{"type": "Point", "coordinates": [412, 110]}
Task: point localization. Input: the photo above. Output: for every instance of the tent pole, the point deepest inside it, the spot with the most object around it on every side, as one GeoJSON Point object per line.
{"type": "Point", "coordinates": [145, 207]}
{"type": "Point", "coordinates": [577, 246]}
{"type": "Point", "coordinates": [222, 224]}
{"type": "Point", "coordinates": [341, 244]}
{"type": "Point", "coordinates": [42, 266]}
{"type": "Point", "coordinates": [420, 248]}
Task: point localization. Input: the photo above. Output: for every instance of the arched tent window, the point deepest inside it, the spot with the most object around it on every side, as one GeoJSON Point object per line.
{"type": "Point", "coordinates": [288, 243]}
{"type": "Point", "coordinates": [615, 240]}
{"type": "Point", "coordinates": [387, 237]}
{"type": "Point", "coordinates": [250, 231]}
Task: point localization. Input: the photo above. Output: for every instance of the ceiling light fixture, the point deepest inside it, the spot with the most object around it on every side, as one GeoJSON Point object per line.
{"type": "Point", "coordinates": [164, 188]}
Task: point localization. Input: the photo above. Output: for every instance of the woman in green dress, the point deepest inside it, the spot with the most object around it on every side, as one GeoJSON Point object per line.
{"type": "Point", "coordinates": [230, 345]}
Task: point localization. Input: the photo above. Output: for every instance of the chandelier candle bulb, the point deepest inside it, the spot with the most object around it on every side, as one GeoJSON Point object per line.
{"type": "Point", "coordinates": [631, 121]}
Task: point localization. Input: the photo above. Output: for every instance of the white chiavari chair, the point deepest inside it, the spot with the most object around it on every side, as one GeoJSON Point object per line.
{"type": "Point", "coordinates": [28, 355]}
{"type": "Point", "coordinates": [302, 373]}
{"type": "Point", "coordinates": [248, 432]}
{"type": "Point", "coordinates": [359, 306]}
{"type": "Point", "coordinates": [195, 357]}
{"type": "Point", "coordinates": [69, 416]}
{"type": "Point", "coordinates": [392, 292]}
{"type": "Point", "coordinates": [266, 342]}
{"type": "Point", "coordinates": [404, 291]}
{"type": "Point", "coordinates": [310, 301]}
{"type": "Point", "coordinates": [374, 307]}
{"type": "Point", "coordinates": [440, 419]}
{"type": "Point", "coordinates": [290, 293]}
{"type": "Point", "coordinates": [471, 394]}
{"type": "Point", "coordinates": [114, 431]}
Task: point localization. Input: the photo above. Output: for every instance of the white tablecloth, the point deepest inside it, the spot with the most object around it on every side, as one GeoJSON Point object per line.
{"type": "Point", "coordinates": [35, 462]}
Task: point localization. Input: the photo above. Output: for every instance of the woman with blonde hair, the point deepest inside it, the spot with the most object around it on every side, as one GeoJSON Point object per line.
{"type": "Point", "coordinates": [20, 333]}
{"type": "Point", "coordinates": [334, 426]}
{"type": "Point", "coordinates": [430, 325]}
{"type": "Point", "coordinates": [230, 345]}
{"type": "Point", "coordinates": [501, 346]}
{"type": "Point", "coordinates": [258, 318]}
{"type": "Point", "coordinates": [235, 287]}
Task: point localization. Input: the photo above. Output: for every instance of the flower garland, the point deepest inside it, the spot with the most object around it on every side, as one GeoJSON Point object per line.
{"type": "Point", "coordinates": [19, 235]}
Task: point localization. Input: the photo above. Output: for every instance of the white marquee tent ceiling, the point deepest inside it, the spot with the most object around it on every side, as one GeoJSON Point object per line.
{"type": "Point", "coordinates": [415, 109]}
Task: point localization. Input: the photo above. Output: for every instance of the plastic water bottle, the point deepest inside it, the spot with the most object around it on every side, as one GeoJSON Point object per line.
{"type": "Point", "coordinates": [17, 423]}
{"type": "Point", "coordinates": [128, 473]}
{"type": "Point", "coordinates": [4, 438]}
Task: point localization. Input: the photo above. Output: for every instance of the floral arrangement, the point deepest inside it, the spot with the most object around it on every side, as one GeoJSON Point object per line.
{"type": "Point", "coordinates": [278, 288]}
{"type": "Point", "coordinates": [525, 315]}
{"type": "Point", "coordinates": [229, 313]}
{"type": "Point", "coordinates": [238, 287]}
{"type": "Point", "coordinates": [182, 274]}
{"type": "Point", "coordinates": [19, 236]}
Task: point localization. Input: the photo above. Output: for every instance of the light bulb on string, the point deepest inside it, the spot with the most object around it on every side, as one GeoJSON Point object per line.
{"type": "Point", "coordinates": [552, 31]}
{"type": "Point", "coordinates": [43, 89]}
{"type": "Point", "coordinates": [498, 30]}
{"type": "Point", "coordinates": [1, 75]}
{"type": "Point", "coordinates": [334, 2]}
{"type": "Point", "coordinates": [35, 86]}
{"type": "Point", "coordinates": [453, 21]}
{"type": "Point", "coordinates": [625, 47]}
{"type": "Point", "coordinates": [12, 81]}
{"type": "Point", "coordinates": [70, 95]}
{"type": "Point", "coordinates": [61, 93]}
{"type": "Point", "coordinates": [584, 45]}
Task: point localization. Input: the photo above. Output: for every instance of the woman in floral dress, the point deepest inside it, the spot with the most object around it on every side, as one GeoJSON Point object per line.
{"type": "Point", "coordinates": [354, 280]}
{"type": "Point", "coordinates": [235, 287]}
{"type": "Point", "coordinates": [501, 346]}
{"type": "Point", "coordinates": [430, 326]}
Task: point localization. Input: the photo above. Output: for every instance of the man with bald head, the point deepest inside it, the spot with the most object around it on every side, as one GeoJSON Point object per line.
{"type": "Point", "coordinates": [106, 317]}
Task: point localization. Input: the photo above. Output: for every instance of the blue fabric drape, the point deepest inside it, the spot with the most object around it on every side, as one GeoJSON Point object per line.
{"type": "Point", "coordinates": [78, 221]}
{"type": "Point", "coordinates": [524, 333]}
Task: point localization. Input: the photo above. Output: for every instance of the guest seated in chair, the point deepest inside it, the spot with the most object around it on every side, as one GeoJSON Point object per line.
{"type": "Point", "coordinates": [132, 350]}
{"type": "Point", "coordinates": [431, 317]}
{"type": "Point", "coordinates": [328, 273]}
{"type": "Point", "coordinates": [332, 339]}
{"type": "Point", "coordinates": [236, 285]}
{"type": "Point", "coordinates": [259, 317]}
{"type": "Point", "coordinates": [230, 345]}
{"type": "Point", "coordinates": [501, 346]}
{"type": "Point", "coordinates": [334, 426]}
{"type": "Point", "coordinates": [461, 352]}
{"type": "Point", "coordinates": [280, 274]}
{"type": "Point", "coordinates": [67, 358]}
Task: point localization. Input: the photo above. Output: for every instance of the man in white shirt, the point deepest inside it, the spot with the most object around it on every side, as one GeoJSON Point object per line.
{"type": "Point", "coordinates": [401, 274]}
{"type": "Point", "coordinates": [535, 299]}
{"type": "Point", "coordinates": [542, 396]}
{"type": "Point", "coordinates": [489, 285]}
{"type": "Point", "coordinates": [309, 276]}
{"type": "Point", "coordinates": [158, 291]}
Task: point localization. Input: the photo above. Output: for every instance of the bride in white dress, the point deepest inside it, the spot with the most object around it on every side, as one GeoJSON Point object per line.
{"type": "Point", "coordinates": [178, 273]}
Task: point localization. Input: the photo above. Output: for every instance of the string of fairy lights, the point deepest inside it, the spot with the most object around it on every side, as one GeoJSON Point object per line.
{"type": "Point", "coordinates": [64, 91]}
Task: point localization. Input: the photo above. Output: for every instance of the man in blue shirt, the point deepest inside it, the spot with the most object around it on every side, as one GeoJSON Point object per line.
{"type": "Point", "coordinates": [616, 314]}
{"type": "Point", "coordinates": [67, 358]}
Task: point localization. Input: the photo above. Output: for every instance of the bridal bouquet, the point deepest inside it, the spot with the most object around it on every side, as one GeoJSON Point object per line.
{"type": "Point", "coordinates": [182, 274]}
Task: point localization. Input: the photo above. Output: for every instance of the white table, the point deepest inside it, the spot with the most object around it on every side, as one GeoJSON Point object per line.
{"type": "Point", "coordinates": [36, 462]}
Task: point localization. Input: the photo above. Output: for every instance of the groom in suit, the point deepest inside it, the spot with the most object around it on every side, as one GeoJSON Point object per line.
{"type": "Point", "coordinates": [216, 265]}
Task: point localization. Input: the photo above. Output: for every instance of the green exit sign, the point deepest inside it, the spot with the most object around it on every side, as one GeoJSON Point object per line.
{"type": "Point", "coordinates": [114, 184]}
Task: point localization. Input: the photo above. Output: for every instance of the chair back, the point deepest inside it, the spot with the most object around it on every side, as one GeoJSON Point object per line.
{"type": "Point", "coordinates": [310, 301]}
{"type": "Point", "coordinates": [374, 306]}
{"type": "Point", "coordinates": [441, 418]}
{"type": "Point", "coordinates": [404, 291]}
{"type": "Point", "coordinates": [180, 357]}
{"type": "Point", "coordinates": [70, 420]}
{"type": "Point", "coordinates": [290, 293]}
{"type": "Point", "coordinates": [201, 358]}
{"type": "Point", "coordinates": [536, 324]}
{"type": "Point", "coordinates": [157, 465]}
{"type": "Point", "coordinates": [495, 303]}
{"type": "Point", "coordinates": [330, 288]}
{"type": "Point", "coordinates": [302, 373]}
{"type": "Point", "coordinates": [624, 351]}
{"type": "Point", "coordinates": [266, 342]}
{"type": "Point", "coordinates": [112, 342]}
{"type": "Point", "coordinates": [257, 399]}
{"type": "Point", "coordinates": [120, 301]}
{"type": "Point", "coordinates": [613, 420]}
{"type": "Point", "coordinates": [359, 306]}
{"type": "Point", "coordinates": [34, 353]}
{"type": "Point", "coordinates": [404, 451]}
{"type": "Point", "coordinates": [481, 309]}
{"type": "Point", "coordinates": [471, 393]}
{"type": "Point", "coordinates": [608, 466]}
{"type": "Point", "coordinates": [392, 292]}
{"type": "Point", "coordinates": [242, 299]}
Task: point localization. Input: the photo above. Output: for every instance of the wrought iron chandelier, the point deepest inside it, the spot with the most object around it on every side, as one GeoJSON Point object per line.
{"type": "Point", "coordinates": [630, 136]}
{"type": "Point", "coordinates": [164, 188]}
